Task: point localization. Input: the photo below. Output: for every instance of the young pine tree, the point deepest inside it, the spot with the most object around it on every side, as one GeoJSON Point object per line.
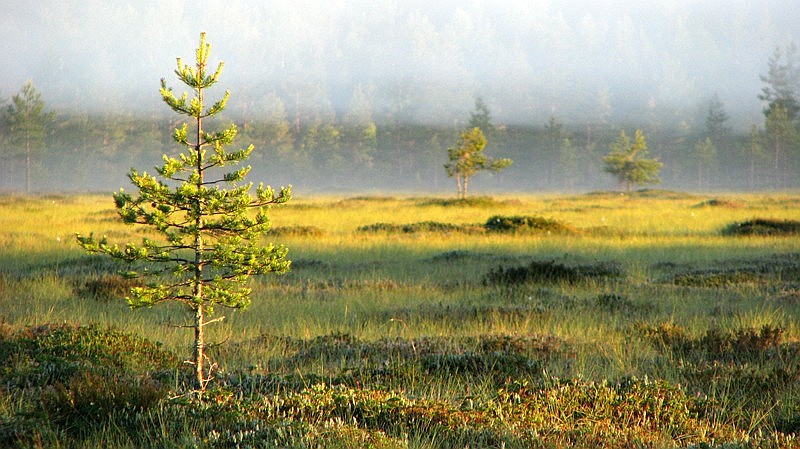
{"type": "Point", "coordinates": [208, 222]}
{"type": "Point", "coordinates": [27, 122]}
{"type": "Point", "coordinates": [467, 158]}
{"type": "Point", "coordinates": [627, 161]}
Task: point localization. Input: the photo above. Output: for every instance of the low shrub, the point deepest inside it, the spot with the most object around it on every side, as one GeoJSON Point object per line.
{"type": "Point", "coordinates": [296, 231]}
{"type": "Point", "coordinates": [615, 303]}
{"type": "Point", "coordinates": [763, 227]}
{"type": "Point", "coordinates": [549, 271]}
{"type": "Point", "coordinates": [473, 201]}
{"type": "Point", "coordinates": [716, 202]}
{"type": "Point", "coordinates": [89, 398]}
{"type": "Point", "coordinates": [776, 269]}
{"type": "Point", "coordinates": [555, 413]}
{"type": "Point", "coordinates": [738, 345]}
{"type": "Point", "coordinates": [747, 381]}
{"type": "Point", "coordinates": [471, 363]}
{"type": "Point", "coordinates": [662, 194]}
{"type": "Point", "coordinates": [716, 279]}
{"type": "Point", "coordinates": [526, 223]}
{"type": "Point", "coordinates": [423, 226]}
{"type": "Point", "coordinates": [310, 264]}
{"type": "Point", "coordinates": [642, 193]}
{"type": "Point", "coordinates": [456, 255]}
{"type": "Point", "coordinates": [38, 356]}
{"type": "Point", "coordinates": [105, 286]}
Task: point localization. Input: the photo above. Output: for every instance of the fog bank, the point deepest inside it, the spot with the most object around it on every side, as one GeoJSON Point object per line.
{"type": "Point", "coordinates": [422, 60]}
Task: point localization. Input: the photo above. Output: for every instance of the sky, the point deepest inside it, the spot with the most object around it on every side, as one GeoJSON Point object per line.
{"type": "Point", "coordinates": [425, 60]}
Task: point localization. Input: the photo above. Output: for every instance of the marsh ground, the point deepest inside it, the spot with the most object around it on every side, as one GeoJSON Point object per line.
{"type": "Point", "coordinates": [641, 321]}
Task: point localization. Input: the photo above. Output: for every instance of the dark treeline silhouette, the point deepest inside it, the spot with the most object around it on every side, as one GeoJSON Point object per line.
{"type": "Point", "coordinates": [84, 152]}
{"type": "Point", "coordinates": [369, 148]}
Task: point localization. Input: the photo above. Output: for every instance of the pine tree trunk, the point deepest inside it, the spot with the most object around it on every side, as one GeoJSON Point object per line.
{"type": "Point", "coordinates": [199, 347]}
{"type": "Point", "coordinates": [27, 163]}
{"type": "Point", "coordinates": [199, 334]}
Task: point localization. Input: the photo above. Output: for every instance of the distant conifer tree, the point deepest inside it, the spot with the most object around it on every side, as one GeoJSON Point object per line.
{"type": "Point", "coordinates": [467, 158]}
{"type": "Point", "coordinates": [27, 122]}
{"type": "Point", "coordinates": [627, 161]}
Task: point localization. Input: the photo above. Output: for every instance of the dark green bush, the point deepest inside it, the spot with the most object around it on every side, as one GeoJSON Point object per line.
{"type": "Point", "coordinates": [105, 286]}
{"type": "Point", "coordinates": [763, 227]}
{"type": "Point", "coordinates": [456, 255]}
{"type": "Point", "coordinates": [298, 231]}
{"type": "Point", "coordinates": [526, 223]}
{"type": "Point", "coordinates": [642, 193]}
{"type": "Point", "coordinates": [716, 202]}
{"type": "Point", "coordinates": [44, 355]}
{"type": "Point", "coordinates": [615, 303]}
{"type": "Point", "coordinates": [102, 347]}
{"type": "Point", "coordinates": [717, 279]}
{"type": "Point", "coordinates": [662, 194]}
{"type": "Point", "coordinates": [747, 380]}
{"type": "Point", "coordinates": [472, 363]}
{"type": "Point", "coordinates": [741, 344]}
{"type": "Point", "coordinates": [424, 226]}
{"type": "Point", "coordinates": [549, 271]}
{"type": "Point", "coordinates": [89, 398]}
{"type": "Point", "coordinates": [472, 201]}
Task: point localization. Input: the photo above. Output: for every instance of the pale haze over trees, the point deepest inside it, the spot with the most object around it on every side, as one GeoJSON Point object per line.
{"type": "Point", "coordinates": [532, 57]}
{"type": "Point", "coordinates": [353, 95]}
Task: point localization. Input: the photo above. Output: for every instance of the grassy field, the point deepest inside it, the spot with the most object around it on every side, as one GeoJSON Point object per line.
{"type": "Point", "coordinates": [651, 319]}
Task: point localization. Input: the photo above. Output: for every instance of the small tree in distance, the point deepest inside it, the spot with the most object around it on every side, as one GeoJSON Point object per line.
{"type": "Point", "coordinates": [467, 159]}
{"type": "Point", "coordinates": [481, 118]}
{"type": "Point", "coordinates": [27, 122]}
{"type": "Point", "coordinates": [627, 161]}
{"type": "Point", "coordinates": [208, 244]}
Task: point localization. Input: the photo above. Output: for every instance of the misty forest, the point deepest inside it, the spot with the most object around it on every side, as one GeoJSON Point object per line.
{"type": "Point", "coordinates": [337, 108]}
{"type": "Point", "coordinates": [361, 149]}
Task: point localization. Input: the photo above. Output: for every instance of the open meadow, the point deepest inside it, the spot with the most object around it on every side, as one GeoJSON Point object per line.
{"type": "Point", "coordinates": [650, 319]}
